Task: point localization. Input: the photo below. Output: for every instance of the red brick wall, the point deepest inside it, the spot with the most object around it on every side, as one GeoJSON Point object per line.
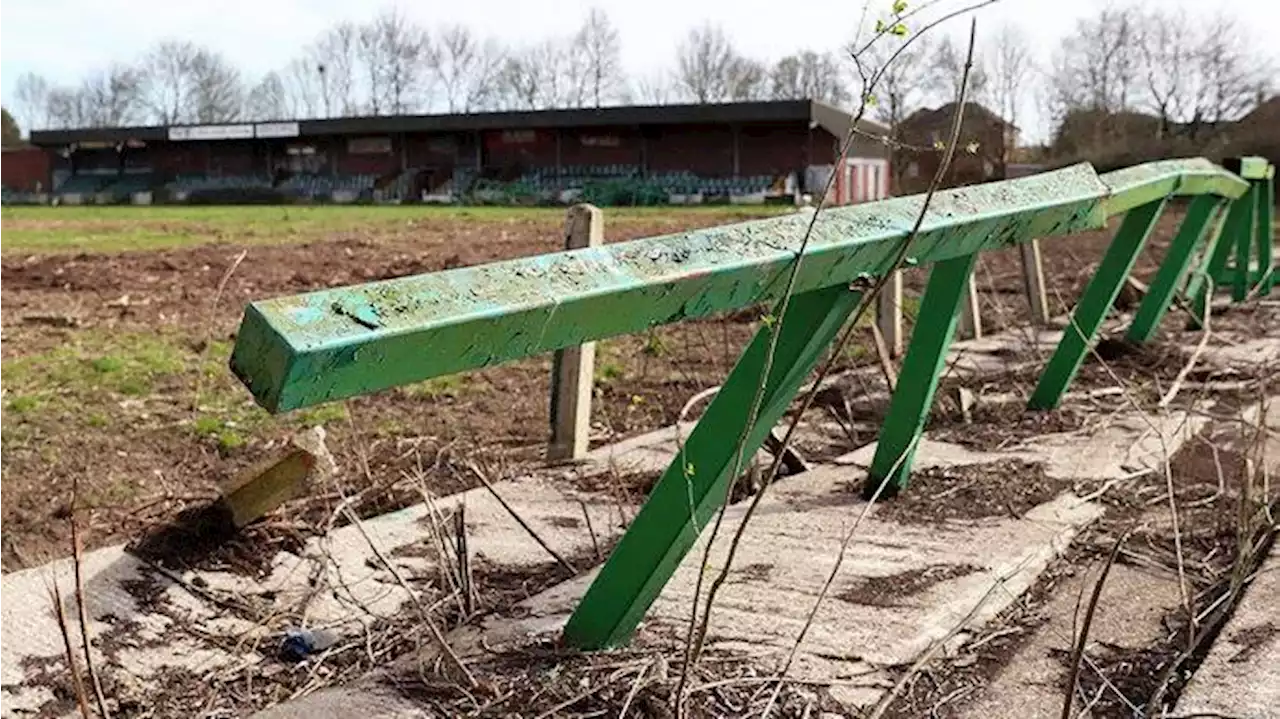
{"type": "Point", "coordinates": [703, 150]}
{"type": "Point", "coordinates": [24, 167]}
{"type": "Point", "coordinates": [437, 151]}
{"type": "Point", "coordinates": [595, 146]}
{"type": "Point", "coordinates": [772, 149]}
{"type": "Point", "coordinates": [177, 158]}
{"type": "Point", "coordinates": [527, 148]}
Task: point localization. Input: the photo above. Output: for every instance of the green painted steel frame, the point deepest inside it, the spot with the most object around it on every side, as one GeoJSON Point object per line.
{"type": "Point", "coordinates": [298, 351]}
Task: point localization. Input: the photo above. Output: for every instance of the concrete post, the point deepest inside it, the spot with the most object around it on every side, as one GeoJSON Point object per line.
{"type": "Point", "coordinates": [970, 312]}
{"type": "Point", "coordinates": [1033, 281]}
{"type": "Point", "coordinates": [573, 368]}
{"type": "Point", "coordinates": [889, 313]}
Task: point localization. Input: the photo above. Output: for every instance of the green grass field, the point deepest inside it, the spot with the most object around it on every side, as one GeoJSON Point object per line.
{"type": "Point", "coordinates": [124, 228]}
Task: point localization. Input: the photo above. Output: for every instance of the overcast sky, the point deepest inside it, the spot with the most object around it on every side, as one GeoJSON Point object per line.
{"type": "Point", "coordinates": [64, 39]}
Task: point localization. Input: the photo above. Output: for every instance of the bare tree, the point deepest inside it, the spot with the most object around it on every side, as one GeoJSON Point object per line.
{"type": "Point", "coordinates": [168, 70]}
{"type": "Point", "coordinates": [267, 100]}
{"type": "Point", "coordinates": [1168, 51]}
{"type": "Point", "coordinates": [900, 90]}
{"type": "Point", "coordinates": [1097, 65]}
{"type": "Point", "coordinates": [304, 89]}
{"type": "Point", "coordinates": [808, 75]}
{"type": "Point", "coordinates": [521, 83]}
{"type": "Point", "coordinates": [465, 68]}
{"type": "Point", "coordinates": [946, 72]}
{"type": "Point", "coordinates": [704, 62]}
{"type": "Point", "coordinates": [655, 88]}
{"type": "Point", "coordinates": [1010, 67]}
{"type": "Point", "coordinates": [112, 97]}
{"type": "Point", "coordinates": [394, 54]}
{"type": "Point", "coordinates": [332, 58]}
{"type": "Point", "coordinates": [369, 56]}
{"type": "Point", "coordinates": [66, 108]}
{"type": "Point", "coordinates": [598, 41]}
{"type": "Point", "coordinates": [747, 80]}
{"type": "Point", "coordinates": [31, 97]}
{"type": "Point", "coordinates": [216, 92]}
{"type": "Point", "coordinates": [1231, 81]}
{"type": "Point", "coordinates": [544, 76]}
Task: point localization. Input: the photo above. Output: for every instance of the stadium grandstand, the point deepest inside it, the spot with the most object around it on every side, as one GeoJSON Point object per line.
{"type": "Point", "coordinates": [744, 153]}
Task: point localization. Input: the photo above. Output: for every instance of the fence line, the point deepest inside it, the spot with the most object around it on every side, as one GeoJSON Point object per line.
{"type": "Point", "coordinates": [297, 351]}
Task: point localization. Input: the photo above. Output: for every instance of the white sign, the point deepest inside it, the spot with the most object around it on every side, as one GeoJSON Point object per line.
{"type": "Point", "coordinates": [276, 129]}
{"type": "Point", "coordinates": [211, 132]}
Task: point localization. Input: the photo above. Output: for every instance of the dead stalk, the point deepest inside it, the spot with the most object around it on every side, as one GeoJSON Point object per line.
{"type": "Point", "coordinates": [213, 315]}
{"type": "Point", "coordinates": [77, 684]}
{"type": "Point", "coordinates": [436, 633]}
{"type": "Point", "coordinates": [595, 543]}
{"type": "Point", "coordinates": [1167, 399]}
{"type": "Point", "coordinates": [520, 520]}
{"type": "Point", "coordinates": [77, 552]}
{"type": "Point", "coordinates": [1078, 653]}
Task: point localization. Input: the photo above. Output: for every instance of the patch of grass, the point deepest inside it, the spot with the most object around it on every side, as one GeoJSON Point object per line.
{"type": "Point", "coordinates": [23, 403]}
{"type": "Point", "coordinates": [446, 387]}
{"type": "Point", "coordinates": [654, 345]}
{"type": "Point", "coordinates": [230, 440]}
{"type": "Point", "coordinates": [607, 372]}
{"type": "Point", "coordinates": [207, 426]}
{"type": "Point", "coordinates": [107, 364]}
{"type": "Point", "coordinates": [126, 228]}
{"type": "Point", "coordinates": [325, 413]}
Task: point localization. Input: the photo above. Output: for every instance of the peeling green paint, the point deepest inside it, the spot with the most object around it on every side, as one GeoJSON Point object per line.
{"type": "Point", "coordinates": [296, 351]}
{"type": "Point", "coordinates": [339, 343]}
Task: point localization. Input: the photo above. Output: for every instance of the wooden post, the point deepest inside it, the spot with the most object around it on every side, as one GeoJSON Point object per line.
{"type": "Point", "coordinates": [889, 313]}
{"type": "Point", "coordinates": [970, 312]}
{"type": "Point", "coordinates": [572, 368]}
{"type": "Point", "coordinates": [1033, 281]}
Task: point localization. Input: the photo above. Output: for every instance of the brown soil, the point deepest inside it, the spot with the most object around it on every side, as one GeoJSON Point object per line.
{"type": "Point", "coordinates": [891, 590]}
{"type": "Point", "coordinates": [1000, 489]}
{"type": "Point", "coordinates": [501, 416]}
{"type": "Point", "coordinates": [146, 473]}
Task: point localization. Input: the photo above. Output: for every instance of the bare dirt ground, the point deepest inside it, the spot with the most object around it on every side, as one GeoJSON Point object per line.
{"type": "Point", "coordinates": [115, 372]}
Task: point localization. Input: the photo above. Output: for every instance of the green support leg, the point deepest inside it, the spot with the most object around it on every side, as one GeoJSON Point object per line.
{"type": "Point", "coordinates": [1173, 271]}
{"type": "Point", "coordinates": [1265, 233]}
{"type": "Point", "coordinates": [693, 486]}
{"type": "Point", "coordinates": [1198, 292]}
{"type": "Point", "coordinates": [1243, 238]}
{"type": "Point", "coordinates": [1097, 299]}
{"type": "Point", "coordinates": [921, 369]}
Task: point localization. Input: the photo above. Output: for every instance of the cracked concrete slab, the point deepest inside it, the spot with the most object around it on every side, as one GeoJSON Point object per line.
{"type": "Point", "coordinates": [1032, 682]}
{"type": "Point", "coordinates": [1241, 675]}
{"type": "Point", "coordinates": [959, 574]}
{"type": "Point", "coordinates": [136, 608]}
{"type": "Point", "coordinates": [1125, 444]}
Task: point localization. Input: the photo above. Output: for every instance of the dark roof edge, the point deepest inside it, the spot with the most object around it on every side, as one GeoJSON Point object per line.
{"type": "Point", "coordinates": [723, 113]}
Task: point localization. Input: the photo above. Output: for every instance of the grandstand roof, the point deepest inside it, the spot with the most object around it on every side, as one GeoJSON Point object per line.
{"type": "Point", "coordinates": [818, 114]}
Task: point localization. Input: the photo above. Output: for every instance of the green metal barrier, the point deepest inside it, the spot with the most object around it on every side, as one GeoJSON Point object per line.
{"type": "Point", "coordinates": [297, 351]}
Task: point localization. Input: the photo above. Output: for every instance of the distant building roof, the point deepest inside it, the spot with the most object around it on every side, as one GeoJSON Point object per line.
{"type": "Point", "coordinates": [818, 114]}
{"type": "Point", "coordinates": [942, 116]}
